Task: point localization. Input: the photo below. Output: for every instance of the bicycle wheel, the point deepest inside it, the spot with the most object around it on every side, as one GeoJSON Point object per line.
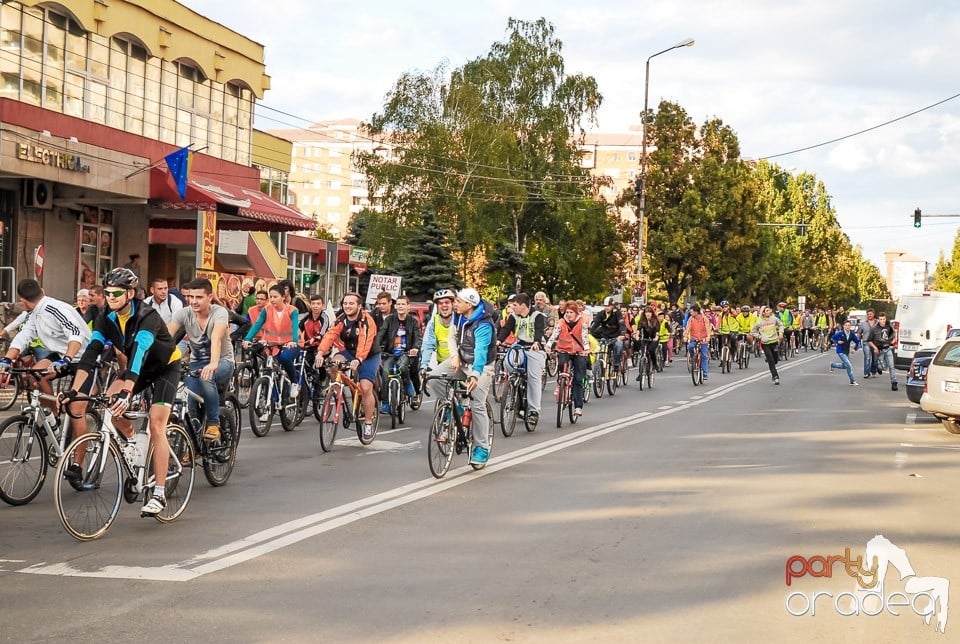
{"type": "Point", "coordinates": [243, 379]}
{"type": "Point", "coordinates": [500, 380]}
{"type": "Point", "coordinates": [260, 407]}
{"type": "Point", "coordinates": [508, 411]}
{"type": "Point", "coordinates": [441, 440]}
{"type": "Point", "coordinates": [180, 474]}
{"type": "Point", "coordinates": [290, 408]}
{"type": "Point", "coordinates": [641, 370]}
{"type": "Point", "coordinates": [598, 370]}
{"type": "Point", "coordinates": [221, 455]}
{"type": "Point", "coordinates": [551, 368]}
{"type": "Point", "coordinates": [624, 370]}
{"type": "Point", "coordinates": [724, 354]}
{"type": "Point", "coordinates": [402, 406]}
{"type": "Point", "coordinates": [329, 419]}
{"type": "Point", "coordinates": [613, 381]}
{"type": "Point", "coordinates": [523, 404]}
{"type": "Point", "coordinates": [394, 402]}
{"type": "Point", "coordinates": [89, 512]}
{"type": "Point", "coordinates": [23, 460]}
{"type": "Point", "coordinates": [648, 376]}
{"type": "Point", "coordinates": [9, 392]}
{"type": "Point", "coordinates": [561, 398]}
{"type": "Point", "coordinates": [587, 387]}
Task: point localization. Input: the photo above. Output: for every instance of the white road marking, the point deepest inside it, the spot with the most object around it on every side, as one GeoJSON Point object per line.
{"type": "Point", "coordinates": [899, 460]}
{"type": "Point", "coordinates": [912, 417]}
{"type": "Point", "coordinates": [297, 530]}
{"type": "Point", "coordinates": [665, 407]}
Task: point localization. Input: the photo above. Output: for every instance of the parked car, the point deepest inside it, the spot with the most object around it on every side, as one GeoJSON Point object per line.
{"type": "Point", "coordinates": [941, 396]}
{"type": "Point", "coordinates": [917, 373]}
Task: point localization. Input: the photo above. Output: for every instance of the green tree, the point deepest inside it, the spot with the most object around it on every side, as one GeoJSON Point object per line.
{"type": "Point", "coordinates": [426, 264]}
{"type": "Point", "coordinates": [946, 276]}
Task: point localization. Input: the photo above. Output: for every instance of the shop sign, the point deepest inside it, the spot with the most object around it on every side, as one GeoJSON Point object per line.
{"type": "Point", "coordinates": [207, 239]}
{"type": "Point", "coordinates": [359, 255]}
{"type": "Point", "coordinates": [33, 153]}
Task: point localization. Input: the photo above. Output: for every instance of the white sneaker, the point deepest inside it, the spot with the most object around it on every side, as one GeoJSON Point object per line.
{"type": "Point", "coordinates": [153, 507]}
{"type": "Point", "coordinates": [577, 413]}
{"type": "Point", "coordinates": [367, 432]}
{"type": "Point", "coordinates": [294, 390]}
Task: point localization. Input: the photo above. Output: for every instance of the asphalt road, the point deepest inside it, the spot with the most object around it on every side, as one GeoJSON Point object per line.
{"type": "Point", "coordinates": [666, 515]}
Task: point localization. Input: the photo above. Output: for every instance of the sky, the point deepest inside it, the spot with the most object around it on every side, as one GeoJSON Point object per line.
{"type": "Point", "coordinates": [782, 75]}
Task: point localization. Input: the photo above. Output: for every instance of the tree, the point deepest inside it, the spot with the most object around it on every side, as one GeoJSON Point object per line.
{"type": "Point", "coordinates": [492, 145]}
{"type": "Point", "coordinates": [426, 263]}
{"type": "Point", "coordinates": [870, 282]}
{"type": "Point", "coordinates": [946, 277]}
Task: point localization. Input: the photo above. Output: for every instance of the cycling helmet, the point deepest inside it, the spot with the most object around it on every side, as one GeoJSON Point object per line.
{"type": "Point", "coordinates": [608, 300]}
{"type": "Point", "coordinates": [122, 277]}
{"type": "Point", "coordinates": [782, 304]}
{"type": "Point", "coordinates": [444, 293]}
{"type": "Point", "coordinates": [745, 308]}
{"type": "Point", "coordinates": [724, 303]}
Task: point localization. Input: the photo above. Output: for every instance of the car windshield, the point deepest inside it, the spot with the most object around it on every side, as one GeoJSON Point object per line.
{"type": "Point", "coordinates": [948, 356]}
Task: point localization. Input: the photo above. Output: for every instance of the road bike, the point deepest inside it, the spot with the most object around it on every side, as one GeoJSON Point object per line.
{"type": "Point", "coordinates": [397, 398]}
{"type": "Point", "coordinates": [694, 361]}
{"type": "Point", "coordinates": [343, 403]}
{"type": "Point", "coordinates": [645, 371]}
{"type": "Point", "coordinates": [513, 404]}
{"type": "Point", "coordinates": [450, 431]}
{"type": "Point", "coordinates": [271, 393]}
{"type": "Point", "coordinates": [218, 457]}
{"type": "Point", "coordinates": [32, 441]}
{"type": "Point", "coordinates": [113, 468]}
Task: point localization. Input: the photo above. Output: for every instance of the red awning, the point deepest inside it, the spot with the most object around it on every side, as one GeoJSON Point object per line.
{"type": "Point", "coordinates": [204, 193]}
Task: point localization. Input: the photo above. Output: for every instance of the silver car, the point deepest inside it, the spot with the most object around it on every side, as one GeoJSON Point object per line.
{"type": "Point", "coordinates": [941, 396]}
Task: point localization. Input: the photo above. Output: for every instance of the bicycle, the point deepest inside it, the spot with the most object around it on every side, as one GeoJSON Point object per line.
{"type": "Point", "coordinates": [450, 431]}
{"type": "Point", "coordinates": [565, 393]}
{"type": "Point", "coordinates": [726, 361]}
{"type": "Point", "coordinates": [270, 393]}
{"type": "Point", "coordinates": [550, 368]}
{"type": "Point", "coordinates": [247, 371]}
{"type": "Point", "coordinates": [500, 376]}
{"type": "Point", "coordinates": [219, 457]}
{"type": "Point", "coordinates": [743, 351]}
{"type": "Point", "coordinates": [604, 372]}
{"type": "Point", "coordinates": [114, 468]}
{"type": "Point", "coordinates": [397, 398]}
{"type": "Point", "coordinates": [31, 442]}
{"type": "Point", "coordinates": [694, 362]}
{"type": "Point", "coordinates": [514, 401]}
{"type": "Point", "coordinates": [645, 371]}
{"type": "Point", "coordinates": [343, 403]}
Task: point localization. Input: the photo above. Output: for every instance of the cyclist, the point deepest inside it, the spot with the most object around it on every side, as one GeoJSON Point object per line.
{"type": "Point", "coordinates": [698, 329]}
{"type": "Point", "coordinates": [728, 327]}
{"type": "Point", "coordinates": [473, 349]}
{"type": "Point", "coordinates": [608, 325]}
{"type": "Point", "coordinates": [666, 338]}
{"type": "Point", "coordinates": [745, 321]}
{"type": "Point", "coordinates": [356, 332]}
{"type": "Point", "coordinates": [436, 334]}
{"type": "Point", "coordinates": [279, 323]}
{"type": "Point", "coordinates": [529, 326]}
{"type": "Point", "coordinates": [570, 338]}
{"type": "Point", "coordinates": [211, 352]}
{"type": "Point", "coordinates": [138, 331]}
{"type": "Point", "coordinates": [312, 328]}
{"type": "Point", "coordinates": [398, 337]}
{"type": "Point", "coordinates": [383, 308]}
{"type": "Point", "coordinates": [769, 329]}
{"type": "Point", "coordinates": [821, 323]}
{"type": "Point", "coordinates": [647, 332]}
{"type": "Point", "coordinates": [806, 326]}
{"type": "Point", "coordinates": [62, 335]}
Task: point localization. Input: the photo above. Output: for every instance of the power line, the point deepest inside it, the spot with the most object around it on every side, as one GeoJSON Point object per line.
{"type": "Point", "coordinates": [869, 129]}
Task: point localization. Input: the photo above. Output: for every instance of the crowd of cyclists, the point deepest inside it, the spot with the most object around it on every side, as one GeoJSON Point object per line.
{"type": "Point", "coordinates": [164, 344]}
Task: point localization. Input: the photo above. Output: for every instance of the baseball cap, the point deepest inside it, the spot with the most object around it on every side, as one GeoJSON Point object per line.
{"type": "Point", "coordinates": [83, 293]}
{"type": "Point", "coordinates": [470, 296]}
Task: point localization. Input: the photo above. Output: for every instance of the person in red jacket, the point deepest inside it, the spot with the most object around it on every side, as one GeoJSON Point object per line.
{"type": "Point", "coordinates": [570, 336]}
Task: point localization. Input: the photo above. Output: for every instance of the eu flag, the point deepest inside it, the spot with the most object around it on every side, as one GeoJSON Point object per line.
{"type": "Point", "coordinates": [179, 164]}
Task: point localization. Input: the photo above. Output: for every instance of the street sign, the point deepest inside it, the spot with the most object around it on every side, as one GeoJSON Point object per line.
{"type": "Point", "coordinates": [381, 283]}
{"type": "Point", "coordinates": [38, 262]}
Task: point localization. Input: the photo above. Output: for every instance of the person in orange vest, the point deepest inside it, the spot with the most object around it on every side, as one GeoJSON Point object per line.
{"type": "Point", "coordinates": [573, 345]}
{"type": "Point", "coordinates": [279, 323]}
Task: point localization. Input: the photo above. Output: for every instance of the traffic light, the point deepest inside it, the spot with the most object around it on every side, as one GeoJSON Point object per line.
{"type": "Point", "coordinates": [916, 218]}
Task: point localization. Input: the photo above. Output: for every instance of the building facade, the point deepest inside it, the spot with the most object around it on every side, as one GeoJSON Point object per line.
{"type": "Point", "coordinates": [93, 96]}
{"type": "Point", "coordinates": [906, 274]}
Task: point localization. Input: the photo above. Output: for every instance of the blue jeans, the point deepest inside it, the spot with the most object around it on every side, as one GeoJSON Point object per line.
{"type": "Point", "coordinates": [844, 364]}
{"type": "Point", "coordinates": [286, 358]}
{"type": "Point", "coordinates": [704, 354]}
{"type": "Point", "coordinates": [884, 360]}
{"type": "Point", "coordinates": [207, 389]}
{"type": "Point", "coordinates": [867, 360]}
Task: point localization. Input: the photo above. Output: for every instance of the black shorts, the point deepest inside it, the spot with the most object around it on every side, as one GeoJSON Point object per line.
{"type": "Point", "coordinates": [164, 385]}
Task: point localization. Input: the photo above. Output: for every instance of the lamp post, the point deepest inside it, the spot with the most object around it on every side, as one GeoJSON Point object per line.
{"type": "Point", "coordinates": [643, 154]}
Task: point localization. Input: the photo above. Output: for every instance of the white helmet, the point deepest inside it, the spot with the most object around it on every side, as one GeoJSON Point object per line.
{"type": "Point", "coordinates": [470, 296]}
{"type": "Point", "coordinates": [444, 293]}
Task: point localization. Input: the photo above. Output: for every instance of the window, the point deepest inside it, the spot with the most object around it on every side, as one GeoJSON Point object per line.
{"type": "Point", "coordinates": [631, 156]}
{"type": "Point", "coordinates": [333, 201]}
{"type": "Point", "coordinates": [335, 169]}
{"type": "Point", "coordinates": [333, 184]}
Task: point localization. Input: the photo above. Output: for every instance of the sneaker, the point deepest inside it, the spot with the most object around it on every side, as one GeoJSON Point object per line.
{"type": "Point", "coordinates": [894, 386]}
{"type": "Point", "coordinates": [411, 392]}
{"type": "Point", "coordinates": [294, 390]}
{"type": "Point", "coordinates": [878, 372]}
{"type": "Point", "coordinates": [577, 413]}
{"type": "Point", "coordinates": [385, 409]}
{"type": "Point", "coordinates": [211, 433]}
{"type": "Point", "coordinates": [265, 416]}
{"type": "Point", "coordinates": [73, 473]}
{"type": "Point", "coordinates": [534, 417]}
{"type": "Point", "coordinates": [776, 381]}
{"type": "Point", "coordinates": [368, 431]}
{"type": "Point", "coordinates": [866, 376]}
{"type": "Point", "coordinates": [854, 384]}
{"type": "Point", "coordinates": [831, 367]}
{"type": "Point", "coordinates": [153, 507]}
{"type": "Point", "coordinates": [479, 456]}
{"type": "Point", "coordinates": [706, 377]}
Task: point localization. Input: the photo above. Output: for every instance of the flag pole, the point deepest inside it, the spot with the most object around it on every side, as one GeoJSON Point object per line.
{"type": "Point", "coordinates": [159, 161]}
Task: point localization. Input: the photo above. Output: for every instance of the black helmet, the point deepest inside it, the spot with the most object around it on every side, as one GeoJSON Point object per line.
{"type": "Point", "coordinates": [122, 277]}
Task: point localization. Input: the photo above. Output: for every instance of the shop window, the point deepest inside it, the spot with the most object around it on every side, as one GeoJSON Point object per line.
{"type": "Point", "coordinates": [96, 244]}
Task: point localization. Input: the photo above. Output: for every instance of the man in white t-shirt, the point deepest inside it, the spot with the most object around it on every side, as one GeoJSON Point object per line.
{"type": "Point", "coordinates": [160, 299]}
{"type": "Point", "coordinates": [207, 329]}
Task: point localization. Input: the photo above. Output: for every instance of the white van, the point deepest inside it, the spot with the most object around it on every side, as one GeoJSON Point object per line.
{"type": "Point", "coordinates": [923, 322]}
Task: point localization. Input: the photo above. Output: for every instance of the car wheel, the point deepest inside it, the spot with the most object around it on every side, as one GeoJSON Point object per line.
{"type": "Point", "coordinates": [950, 425]}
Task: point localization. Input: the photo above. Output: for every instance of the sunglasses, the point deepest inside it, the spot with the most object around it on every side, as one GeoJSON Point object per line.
{"type": "Point", "coordinates": [112, 293]}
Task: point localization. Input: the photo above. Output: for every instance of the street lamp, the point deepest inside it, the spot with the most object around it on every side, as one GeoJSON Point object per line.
{"type": "Point", "coordinates": [688, 42]}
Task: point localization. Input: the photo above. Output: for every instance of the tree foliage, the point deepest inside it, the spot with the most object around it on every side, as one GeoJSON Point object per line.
{"type": "Point", "coordinates": [946, 276]}
{"type": "Point", "coordinates": [426, 264]}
